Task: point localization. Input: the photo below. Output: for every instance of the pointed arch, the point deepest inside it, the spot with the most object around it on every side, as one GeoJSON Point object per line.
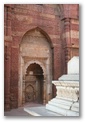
{"type": "Point", "coordinates": [36, 47]}
{"type": "Point", "coordinates": [44, 33]}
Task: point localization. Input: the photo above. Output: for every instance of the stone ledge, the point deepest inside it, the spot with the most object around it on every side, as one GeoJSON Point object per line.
{"type": "Point", "coordinates": [66, 83]}
{"type": "Point", "coordinates": [69, 77]}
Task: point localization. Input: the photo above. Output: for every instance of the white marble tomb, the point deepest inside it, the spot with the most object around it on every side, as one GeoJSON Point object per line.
{"type": "Point", "coordinates": [66, 102]}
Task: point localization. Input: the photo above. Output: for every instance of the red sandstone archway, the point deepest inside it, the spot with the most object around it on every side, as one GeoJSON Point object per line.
{"type": "Point", "coordinates": [35, 48]}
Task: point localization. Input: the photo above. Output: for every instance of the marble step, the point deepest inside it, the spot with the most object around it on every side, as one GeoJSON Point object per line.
{"type": "Point", "coordinates": [65, 104]}
{"type": "Point", "coordinates": [62, 101]}
{"type": "Point", "coordinates": [75, 107]}
{"type": "Point", "coordinates": [59, 105]}
{"type": "Point", "coordinates": [62, 111]}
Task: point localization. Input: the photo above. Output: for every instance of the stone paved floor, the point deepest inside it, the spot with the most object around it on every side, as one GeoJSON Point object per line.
{"type": "Point", "coordinates": [40, 111]}
{"type": "Point", "coordinates": [20, 111]}
{"type": "Point", "coordinates": [30, 110]}
{"type": "Point", "coordinates": [17, 112]}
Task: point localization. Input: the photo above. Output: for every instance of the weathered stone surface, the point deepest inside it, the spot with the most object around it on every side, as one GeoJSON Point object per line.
{"type": "Point", "coordinates": [56, 28]}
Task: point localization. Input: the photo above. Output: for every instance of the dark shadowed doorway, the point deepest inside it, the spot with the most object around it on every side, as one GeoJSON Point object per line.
{"type": "Point", "coordinates": [34, 84]}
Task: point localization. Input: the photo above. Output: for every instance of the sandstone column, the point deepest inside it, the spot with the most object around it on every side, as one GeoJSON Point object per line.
{"type": "Point", "coordinates": [7, 78]}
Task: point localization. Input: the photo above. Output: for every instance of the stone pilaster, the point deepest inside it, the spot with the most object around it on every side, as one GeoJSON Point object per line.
{"type": "Point", "coordinates": [67, 38]}
{"type": "Point", "coordinates": [66, 41]}
{"type": "Point", "coordinates": [44, 91]}
{"type": "Point", "coordinates": [7, 65]}
{"type": "Point", "coordinates": [7, 57]}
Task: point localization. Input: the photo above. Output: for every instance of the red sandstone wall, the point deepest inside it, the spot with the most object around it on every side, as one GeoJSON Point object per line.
{"type": "Point", "coordinates": [18, 19]}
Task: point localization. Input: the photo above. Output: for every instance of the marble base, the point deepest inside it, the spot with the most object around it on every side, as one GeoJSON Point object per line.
{"type": "Point", "coordinates": [63, 107]}
{"type": "Point", "coordinates": [66, 102]}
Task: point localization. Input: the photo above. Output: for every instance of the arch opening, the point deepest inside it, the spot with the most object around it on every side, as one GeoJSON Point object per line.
{"type": "Point", "coordinates": [34, 83]}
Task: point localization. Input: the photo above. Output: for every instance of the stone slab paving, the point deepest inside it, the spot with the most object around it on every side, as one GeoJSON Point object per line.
{"type": "Point", "coordinates": [40, 111]}
{"type": "Point", "coordinates": [30, 110]}
{"type": "Point", "coordinates": [17, 112]}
